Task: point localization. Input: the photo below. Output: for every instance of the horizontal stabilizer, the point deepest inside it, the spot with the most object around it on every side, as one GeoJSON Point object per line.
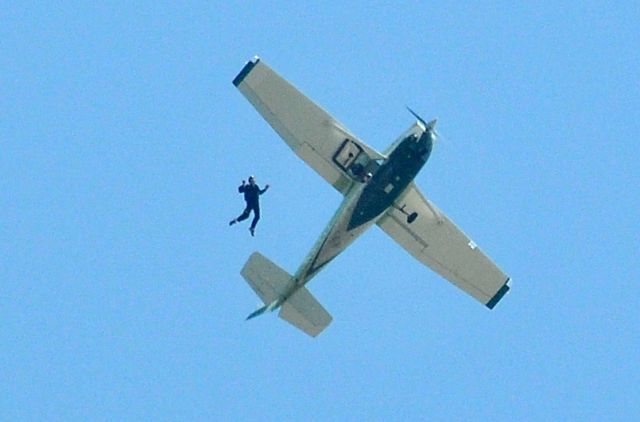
{"type": "Point", "coordinates": [268, 280]}
{"type": "Point", "coordinates": [273, 285]}
{"type": "Point", "coordinates": [305, 312]}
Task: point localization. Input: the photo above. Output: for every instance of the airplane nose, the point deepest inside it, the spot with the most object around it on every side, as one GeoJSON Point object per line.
{"type": "Point", "coordinates": [426, 141]}
{"type": "Point", "coordinates": [428, 137]}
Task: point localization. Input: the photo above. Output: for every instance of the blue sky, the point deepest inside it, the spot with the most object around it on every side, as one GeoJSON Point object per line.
{"type": "Point", "coordinates": [122, 144]}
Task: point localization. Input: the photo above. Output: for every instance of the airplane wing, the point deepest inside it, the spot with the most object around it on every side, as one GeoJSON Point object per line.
{"type": "Point", "coordinates": [313, 134]}
{"type": "Point", "coordinates": [435, 240]}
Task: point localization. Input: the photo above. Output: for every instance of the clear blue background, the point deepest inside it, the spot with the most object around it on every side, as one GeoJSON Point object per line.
{"type": "Point", "coordinates": [122, 142]}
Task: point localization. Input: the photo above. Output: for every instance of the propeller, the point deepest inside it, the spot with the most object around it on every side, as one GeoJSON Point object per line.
{"type": "Point", "coordinates": [430, 126]}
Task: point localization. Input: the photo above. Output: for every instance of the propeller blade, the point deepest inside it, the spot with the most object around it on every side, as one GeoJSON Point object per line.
{"type": "Point", "coordinates": [428, 125]}
{"type": "Point", "coordinates": [420, 119]}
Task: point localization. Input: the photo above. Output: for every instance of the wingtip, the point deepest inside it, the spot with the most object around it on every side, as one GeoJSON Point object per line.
{"type": "Point", "coordinates": [499, 295]}
{"type": "Point", "coordinates": [246, 70]}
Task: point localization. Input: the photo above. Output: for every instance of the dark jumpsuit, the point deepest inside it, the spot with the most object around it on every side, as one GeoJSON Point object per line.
{"type": "Point", "coordinates": [251, 196]}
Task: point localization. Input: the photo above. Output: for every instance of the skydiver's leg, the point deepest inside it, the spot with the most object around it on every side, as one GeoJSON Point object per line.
{"type": "Point", "coordinates": [244, 215]}
{"type": "Point", "coordinates": [256, 217]}
{"type": "Point", "coordinates": [241, 217]}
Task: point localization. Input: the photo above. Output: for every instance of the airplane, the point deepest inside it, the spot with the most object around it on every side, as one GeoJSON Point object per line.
{"type": "Point", "coordinates": [378, 189]}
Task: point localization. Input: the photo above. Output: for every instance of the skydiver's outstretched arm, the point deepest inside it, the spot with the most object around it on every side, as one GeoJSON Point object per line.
{"type": "Point", "coordinates": [264, 190]}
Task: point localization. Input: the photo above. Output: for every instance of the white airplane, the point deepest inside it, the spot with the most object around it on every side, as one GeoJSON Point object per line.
{"type": "Point", "coordinates": [377, 188]}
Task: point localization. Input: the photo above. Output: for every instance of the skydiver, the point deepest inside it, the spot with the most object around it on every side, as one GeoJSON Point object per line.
{"type": "Point", "coordinates": [252, 194]}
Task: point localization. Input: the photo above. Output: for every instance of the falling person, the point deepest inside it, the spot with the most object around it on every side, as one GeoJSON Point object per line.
{"type": "Point", "coordinates": [252, 194]}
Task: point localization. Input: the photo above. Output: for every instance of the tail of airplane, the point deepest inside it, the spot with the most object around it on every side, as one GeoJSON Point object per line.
{"type": "Point", "coordinates": [272, 284]}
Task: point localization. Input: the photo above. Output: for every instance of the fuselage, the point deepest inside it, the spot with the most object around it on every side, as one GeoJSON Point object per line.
{"type": "Point", "coordinates": [367, 201]}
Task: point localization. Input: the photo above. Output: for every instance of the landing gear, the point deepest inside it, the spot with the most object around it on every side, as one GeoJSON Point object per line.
{"type": "Point", "coordinates": [410, 217]}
